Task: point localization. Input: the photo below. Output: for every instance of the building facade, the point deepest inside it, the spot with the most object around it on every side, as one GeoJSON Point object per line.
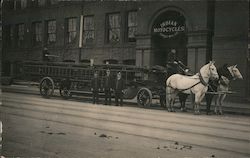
{"type": "Point", "coordinates": [140, 33]}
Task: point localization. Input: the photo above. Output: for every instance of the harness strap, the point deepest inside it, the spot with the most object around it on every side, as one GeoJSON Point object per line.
{"type": "Point", "coordinates": [202, 80]}
{"type": "Point", "coordinates": [181, 90]}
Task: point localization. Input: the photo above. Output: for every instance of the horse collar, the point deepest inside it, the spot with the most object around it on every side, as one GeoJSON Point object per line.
{"type": "Point", "coordinates": [202, 80]}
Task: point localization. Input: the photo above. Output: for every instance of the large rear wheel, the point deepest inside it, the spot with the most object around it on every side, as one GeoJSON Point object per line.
{"type": "Point", "coordinates": [47, 87]}
{"type": "Point", "coordinates": [144, 97]}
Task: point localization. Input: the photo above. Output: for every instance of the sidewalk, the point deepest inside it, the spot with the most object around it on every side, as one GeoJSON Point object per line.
{"type": "Point", "coordinates": [33, 88]}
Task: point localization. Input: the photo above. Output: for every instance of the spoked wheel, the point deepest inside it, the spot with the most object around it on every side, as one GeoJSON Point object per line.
{"type": "Point", "coordinates": [65, 92]}
{"type": "Point", "coordinates": [47, 87]}
{"type": "Point", "coordinates": [144, 97]}
{"type": "Point", "coordinates": [65, 89]}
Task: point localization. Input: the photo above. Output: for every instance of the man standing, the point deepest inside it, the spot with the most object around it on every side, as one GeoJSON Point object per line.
{"type": "Point", "coordinates": [107, 87]}
{"type": "Point", "coordinates": [119, 87]}
{"type": "Point", "coordinates": [95, 87]}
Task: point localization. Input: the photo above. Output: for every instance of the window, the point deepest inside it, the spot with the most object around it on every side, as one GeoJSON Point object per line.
{"type": "Point", "coordinates": [17, 4]}
{"type": "Point", "coordinates": [41, 2]}
{"type": "Point", "coordinates": [51, 31]}
{"type": "Point", "coordinates": [71, 30]}
{"type": "Point", "coordinates": [114, 31]}
{"type": "Point", "coordinates": [1, 31]}
{"type": "Point", "coordinates": [9, 35]}
{"type": "Point", "coordinates": [37, 33]}
{"type": "Point", "coordinates": [23, 4]}
{"type": "Point", "coordinates": [51, 2]}
{"type": "Point", "coordinates": [12, 38]}
{"type": "Point", "coordinates": [11, 5]}
{"type": "Point", "coordinates": [132, 26]}
{"type": "Point", "coordinates": [20, 35]}
{"type": "Point", "coordinates": [88, 29]}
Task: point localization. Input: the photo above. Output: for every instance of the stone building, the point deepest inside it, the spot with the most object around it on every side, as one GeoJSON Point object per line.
{"type": "Point", "coordinates": [140, 33]}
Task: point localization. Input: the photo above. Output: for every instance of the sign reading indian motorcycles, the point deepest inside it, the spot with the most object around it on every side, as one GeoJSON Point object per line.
{"type": "Point", "coordinates": [169, 28]}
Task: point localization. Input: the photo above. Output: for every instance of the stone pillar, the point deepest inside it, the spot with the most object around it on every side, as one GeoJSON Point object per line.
{"type": "Point", "coordinates": [198, 49]}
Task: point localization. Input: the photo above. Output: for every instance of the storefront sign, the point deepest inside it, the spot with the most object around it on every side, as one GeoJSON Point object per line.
{"type": "Point", "coordinates": [169, 28]}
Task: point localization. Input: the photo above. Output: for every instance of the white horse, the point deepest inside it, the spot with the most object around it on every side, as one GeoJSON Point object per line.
{"type": "Point", "coordinates": [223, 86]}
{"type": "Point", "coordinates": [196, 84]}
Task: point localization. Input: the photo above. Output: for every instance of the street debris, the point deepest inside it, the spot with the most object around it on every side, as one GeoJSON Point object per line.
{"type": "Point", "coordinates": [103, 135]}
{"type": "Point", "coordinates": [106, 136]}
{"type": "Point", "coordinates": [176, 146]}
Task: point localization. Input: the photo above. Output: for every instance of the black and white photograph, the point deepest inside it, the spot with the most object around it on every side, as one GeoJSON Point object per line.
{"type": "Point", "coordinates": [125, 79]}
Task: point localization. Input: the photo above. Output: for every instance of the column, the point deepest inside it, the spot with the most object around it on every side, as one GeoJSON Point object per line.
{"type": "Point", "coordinates": [198, 49]}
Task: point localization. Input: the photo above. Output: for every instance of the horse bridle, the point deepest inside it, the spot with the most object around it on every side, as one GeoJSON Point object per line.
{"type": "Point", "coordinates": [202, 81]}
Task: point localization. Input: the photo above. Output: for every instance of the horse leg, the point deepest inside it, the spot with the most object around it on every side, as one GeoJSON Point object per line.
{"type": "Point", "coordinates": [170, 98]}
{"type": "Point", "coordinates": [196, 104]}
{"type": "Point", "coordinates": [209, 98]}
{"type": "Point", "coordinates": [221, 102]}
{"type": "Point", "coordinates": [182, 98]}
{"type": "Point", "coordinates": [199, 102]}
{"type": "Point", "coordinates": [193, 100]}
{"type": "Point", "coordinates": [173, 101]}
{"type": "Point", "coordinates": [184, 102]}
{"type": "Point", "coordinates": [217, 103]}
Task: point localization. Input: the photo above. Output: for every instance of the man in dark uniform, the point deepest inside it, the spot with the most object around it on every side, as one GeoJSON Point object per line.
{"type": "Point", "coordinates": [95, 87]}
{"type": "Point", "coordinates": [119, 87]}
{"type": "Point", "coordinates": [45, 54]}
{"type": "Point", "coordinates": [107, 85]}
{"type": "Point", "coordinates": [174, 65]}
{"type": "Point", "coordinates": [172, 62]}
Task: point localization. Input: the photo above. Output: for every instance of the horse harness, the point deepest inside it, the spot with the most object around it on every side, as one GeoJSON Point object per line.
{"type": "Point", "coordinates": [223, 71]}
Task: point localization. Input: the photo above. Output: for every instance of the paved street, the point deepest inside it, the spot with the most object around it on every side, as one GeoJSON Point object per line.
{"type": "Point", "coordinates": [38, 127]}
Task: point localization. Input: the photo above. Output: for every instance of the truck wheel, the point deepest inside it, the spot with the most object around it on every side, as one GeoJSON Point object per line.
{"type": "Point", "coordinates": [144, 97]}
{"type": "Point", "coordinates": [47, 87]}
{"type": "Point", "coordinates": [65, 89]}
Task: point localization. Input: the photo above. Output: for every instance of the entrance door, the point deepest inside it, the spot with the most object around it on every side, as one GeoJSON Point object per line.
{"type": "Point", "coordinates": [169, 32]}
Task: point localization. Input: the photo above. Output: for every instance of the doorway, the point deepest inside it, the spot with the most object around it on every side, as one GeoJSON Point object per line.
{"type": "Point", "coordinates": [169, 32]}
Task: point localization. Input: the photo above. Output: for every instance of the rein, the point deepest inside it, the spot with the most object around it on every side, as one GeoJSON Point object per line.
{"type": "Point", "coordinates": [181, 90]}
{"type": "Point", "coordinates": [202, 80]}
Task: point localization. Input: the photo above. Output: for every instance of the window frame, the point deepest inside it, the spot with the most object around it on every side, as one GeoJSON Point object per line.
{"type": "Point", "coordinates": [92, 30]}
{"type": "Point", "coordinates": [133, 26]}
{"type": "Point", "coordinates": [35, 34]}
{"type": "Point", "coordinates": [69, 32]}
{"type": "Point", "coordinates": [51, 33]}
{"type": "Point", "coordinates": [108, 28]}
